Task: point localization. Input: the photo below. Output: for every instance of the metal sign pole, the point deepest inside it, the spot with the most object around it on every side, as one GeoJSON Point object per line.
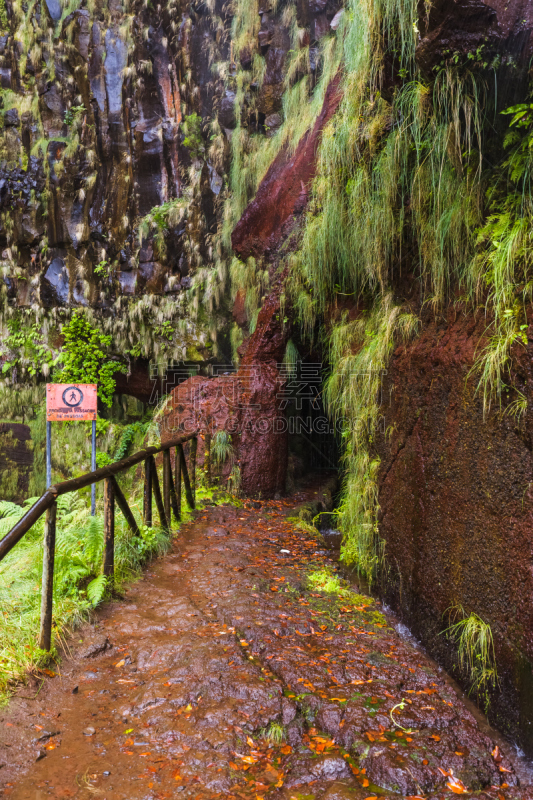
{"type": "Point", "coordinates": [48, 454]}
{"type": "Point", "coordinates": [93, 467]}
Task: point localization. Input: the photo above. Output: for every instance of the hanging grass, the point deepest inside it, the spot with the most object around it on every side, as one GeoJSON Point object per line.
{"type": "Point", "coordinates": [359, 354]}
{"type": "Point", "coordinates": [473, 639]}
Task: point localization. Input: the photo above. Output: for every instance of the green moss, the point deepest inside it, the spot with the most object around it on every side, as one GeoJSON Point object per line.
{"type": "Point", "coordinates": [4, 26]}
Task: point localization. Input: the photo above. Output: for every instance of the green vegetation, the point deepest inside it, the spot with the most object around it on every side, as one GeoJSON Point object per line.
{"type": "Point", "coordinates": [222, 448]}
{"type": "Point", "coordinates": [475, 645]}
{"type": "Point", "coordinates": [84, 359]}
{"type": "Point", "coordinates": [3, 16]}
{"type": "Point", "coordinates": [78, 583]}
{"type": "Point", "coordinates": [359, 353]}
{"type": "Point", "coordinates": [402, 178]}
{"type": "Point", "coordinates": [192, 127]}
{"type": "Point", "coordinates": [24, 348]}
{"type": "Point", "coordinates": [325, 580]}
{"type": "Point", "coordinates": [275, 733]}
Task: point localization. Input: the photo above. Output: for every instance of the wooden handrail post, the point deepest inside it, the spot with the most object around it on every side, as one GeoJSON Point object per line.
{"type": "Point", "coordinates": [167, 476]}
{"type": "Point", "coordinates": [157, 495]}
{"type": "Point", "coordinates": [147, 509]}
{"type": "Point", "coordinates": [186, 482]}
{"type": "Point", "coordinates": [109, 528]}
{"type": "Point", "coordinates": [47, 587]}
{"type": "Point", "coordinates": [176, 507]}
{"type": "Point", "coordinates": [177, 462]}
{"type": "Point", "coordinates": [122, 503]}
{"type": "Point", "coordinates": [192, 457]}
{"type": "Point", "coordinates": [207, 460]}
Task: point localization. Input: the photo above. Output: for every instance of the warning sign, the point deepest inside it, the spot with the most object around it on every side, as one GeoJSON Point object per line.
{"type": "Point", "coordinates": [66, 401]}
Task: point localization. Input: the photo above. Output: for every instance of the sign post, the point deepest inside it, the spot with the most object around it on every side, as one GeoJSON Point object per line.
{"type": "Point", "coordinates": [68, 402]}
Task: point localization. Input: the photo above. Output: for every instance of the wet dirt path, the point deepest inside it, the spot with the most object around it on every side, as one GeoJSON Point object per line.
{"type": "Point", "coordinates": [223, 674]}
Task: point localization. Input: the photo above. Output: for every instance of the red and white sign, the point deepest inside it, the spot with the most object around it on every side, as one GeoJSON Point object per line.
{"type": "Point", "coordinates": [66, 401]}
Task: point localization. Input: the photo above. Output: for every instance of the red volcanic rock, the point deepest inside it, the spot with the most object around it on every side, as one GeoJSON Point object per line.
{"type": "Point", "coordinates": [456, 504]}
{"type": "Point", "coordinates": [246, 404]}
{"type": "Point", "coordinates": [284, 190]}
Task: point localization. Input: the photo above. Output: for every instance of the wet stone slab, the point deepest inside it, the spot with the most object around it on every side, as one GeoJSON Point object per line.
{"type": "Point", "coordinates": [222, 674]}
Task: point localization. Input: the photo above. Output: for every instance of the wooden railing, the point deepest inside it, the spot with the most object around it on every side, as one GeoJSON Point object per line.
{"type": "Point", "coordinates": [47, 504]}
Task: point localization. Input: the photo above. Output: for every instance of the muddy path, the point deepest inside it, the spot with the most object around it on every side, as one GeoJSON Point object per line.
{"type": "Point", "coordinates": [223, 673]}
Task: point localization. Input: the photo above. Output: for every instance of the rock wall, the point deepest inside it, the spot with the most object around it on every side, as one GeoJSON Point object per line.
{"type": "Point", "coordinates": [456, 505]}
{"type": "Point", "coordinates": [246, 405]}
{"type": "Point", "coordinates": [16, 461]}
{"type": "Point", "coordinates": [454, 488]}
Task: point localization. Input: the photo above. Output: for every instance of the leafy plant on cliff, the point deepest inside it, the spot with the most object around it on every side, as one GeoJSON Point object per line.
{"type": "Point", "coordinates": [162, 218]}
{"type": "Point", "coordinates": [193, 141]}
{"type": "Point", "coordinates": [84, 357]}
{"type": "Point", "coordinates": [222, 447]}
{"type": "Point", "coordinates": [3, 16]}
{"type": "Point", "coordinates": [25, 350]}
{"type": "Point", "coordinates": [503, 264]}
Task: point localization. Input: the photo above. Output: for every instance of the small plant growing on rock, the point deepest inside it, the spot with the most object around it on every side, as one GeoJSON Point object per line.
{"type": "Point", "coordinates": [72, 114]}
{"type": "Point", "coordinates": [192, 126]}
{"type": "Point", "coordinates": [275, 733]}
{"type": "Point", "coordinates": [103, 268]}
{"type": "Point", "coordinates": [475, 645]}
{"type": "Point", "coordinates": [222, 447]}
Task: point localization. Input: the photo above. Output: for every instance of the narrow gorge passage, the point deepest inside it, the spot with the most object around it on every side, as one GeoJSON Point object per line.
{"type": "Point", "coordinates": [226, 672]}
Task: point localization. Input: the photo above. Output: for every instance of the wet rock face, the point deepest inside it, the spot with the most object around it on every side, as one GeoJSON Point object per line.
{"type": "Point", "coordinates": [16, 461]}
{"type": "Point", "coordinates": [499, 26]}
{"type": "Point", "coordinates": [92, 139]}
{"type": "Point", "coordinates": [247, 404]}
{"type": "Point", "coordinates": [456, 504]}
{"type": "Point", "coordinates": [284, 192]}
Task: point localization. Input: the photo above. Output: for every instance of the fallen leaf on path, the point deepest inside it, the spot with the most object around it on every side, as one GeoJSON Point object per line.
{"type": "Point", "coordinates": [456, 786]}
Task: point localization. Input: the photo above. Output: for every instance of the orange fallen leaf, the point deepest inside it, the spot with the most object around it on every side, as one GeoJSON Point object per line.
{"type": "Point", "coordinates": [456, 786]}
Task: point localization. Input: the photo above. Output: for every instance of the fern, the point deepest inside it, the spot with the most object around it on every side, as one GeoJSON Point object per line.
{"type": "Point", "coordinates": [94, 541]}
{"type": "Point", "coordinates": [96, 589]}
{"type": "Point", "coordinates": [222, 447]}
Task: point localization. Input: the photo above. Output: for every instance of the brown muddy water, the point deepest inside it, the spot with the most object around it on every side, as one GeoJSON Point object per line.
{"type": "Point", "coordinates": [224, 673]}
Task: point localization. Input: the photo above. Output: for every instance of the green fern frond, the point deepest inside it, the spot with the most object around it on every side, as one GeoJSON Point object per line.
{"type": "Point", "coordinates": [96, 589]}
